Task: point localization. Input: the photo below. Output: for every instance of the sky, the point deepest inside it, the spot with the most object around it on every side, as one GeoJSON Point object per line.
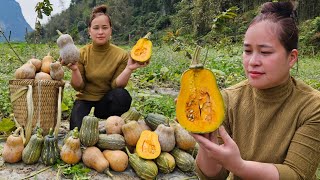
{"type": "Point", "coordinates": [28, 9]}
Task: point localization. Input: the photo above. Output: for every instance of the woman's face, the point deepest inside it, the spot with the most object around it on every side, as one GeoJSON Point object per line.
{"type": "Point", "coordinates": [100, 30]}
{"type": "Point", "coordinates": [266, 62]}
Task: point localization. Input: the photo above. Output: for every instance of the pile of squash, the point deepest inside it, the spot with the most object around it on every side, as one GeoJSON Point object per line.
{"type": "Point", "coordinates": [149, 145]}
{"type": "Point", "coordinates": [45, 69]}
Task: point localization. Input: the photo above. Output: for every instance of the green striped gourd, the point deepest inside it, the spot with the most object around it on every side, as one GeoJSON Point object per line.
{"type": "Point", "coordinates": [166, 162]}
{"type": "Point", "coordinates": [154, 119]}
{"type": "Point", "coordinates": [50, 151]}
{"type": "Point", "coordinates": [131, 115]}
{"type": "Point", "coordinates": [89, 131]}
{"type": "Point", "coordinates": [111, 141]}
{"type": "Point", "coordinates": [32, 152]}
{"type": "Point", "coordinates": [184, 160]}
{"type": "Point", "coordinates": [145, 169]}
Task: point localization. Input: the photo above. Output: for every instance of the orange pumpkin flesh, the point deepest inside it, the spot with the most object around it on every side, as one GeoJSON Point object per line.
{"type": "Point", "coordinates": [200, 107]}
{"type": "Point", "coordinates": [148, 145]}
{"type": "Point", "coordinates": [142, 50]}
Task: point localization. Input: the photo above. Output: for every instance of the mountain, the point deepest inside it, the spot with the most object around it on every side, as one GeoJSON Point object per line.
{"type": "Point", "coordinates": [11, 19]}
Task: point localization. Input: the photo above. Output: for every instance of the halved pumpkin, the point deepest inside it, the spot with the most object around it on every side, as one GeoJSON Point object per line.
{"type": "Point", "coordinates": [142, 50]}
{"type": "Point", "coordinates": [200, 107]}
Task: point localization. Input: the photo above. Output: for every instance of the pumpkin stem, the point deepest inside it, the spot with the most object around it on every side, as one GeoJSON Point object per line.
{"type": "Point", "coordinates": [75, 133]}
{"type": "Point", "coordinates": [147, 36]}
{"type": "Point", "coordinates": [50, 132]}
{"type": "Point", "coordinates": [106, 171]}
{"type": "Point", "coordinates": [127, 150]}
{"type": "Point", "coordinates": [60, 33]}
{"type": "Point", "coordinates": [195, 60]}
{"type": "Point", "coordinates": [17, 131]}
{"type": "Point", "coordinates": [91, 112]}
{"type": "Point", "coordinates": [39, 132]}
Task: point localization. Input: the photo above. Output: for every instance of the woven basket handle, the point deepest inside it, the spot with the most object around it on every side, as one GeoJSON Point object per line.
{"type": "Point", "coordinates": [17, 95]}
{"type": "Point", "coordinates": [56, 130]}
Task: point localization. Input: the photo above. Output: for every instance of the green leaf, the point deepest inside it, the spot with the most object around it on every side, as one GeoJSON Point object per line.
{"type": "Point", "coordinates": [6, 125]}
{"type": "Point", "coordinates": [64, 107]}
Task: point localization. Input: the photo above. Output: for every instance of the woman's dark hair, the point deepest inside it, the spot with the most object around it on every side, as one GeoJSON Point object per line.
{"type": "Point", "coordinates": [98, 11]}
{"type": "Point", "coordinates": [283, 14]}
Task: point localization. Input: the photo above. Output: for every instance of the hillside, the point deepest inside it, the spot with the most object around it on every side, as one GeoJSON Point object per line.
{"type": "Point", "coordinates": [11, 19]}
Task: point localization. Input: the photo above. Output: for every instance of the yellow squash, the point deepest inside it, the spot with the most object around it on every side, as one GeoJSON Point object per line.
{"type": "Point", "coordinates": [200, 107]}
{"type": "Point", "coordinates": [142, 50]}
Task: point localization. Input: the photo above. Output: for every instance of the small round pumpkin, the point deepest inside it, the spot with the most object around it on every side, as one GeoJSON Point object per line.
{"type": "Point", "coordinates": [114, 125]}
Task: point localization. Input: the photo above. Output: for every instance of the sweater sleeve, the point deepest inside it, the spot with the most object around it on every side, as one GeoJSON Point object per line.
{"type": "Point", "coordinates": [121, 67]}
{"type": "Point", "coordinates": [303, 155]}
{"type": "Point", "coordinates": [223, 174]}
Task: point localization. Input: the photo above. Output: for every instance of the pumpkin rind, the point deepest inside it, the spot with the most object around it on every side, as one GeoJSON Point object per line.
{"type": "Point", "coordinates": [89, 131]}
{"type": "Point", "coordinates": [200, 107]}
{"type": "Point", "coordinates": [166, 162]}
{"type": "Point", "coordinates": [50, 151]}
{"type": "Point", "coordinates": [142, 50]}
{"type": "Point", "coordinates": [184, 160]}
{"type": "Point", "coordinates": [154, 119]}
{"type": "Point", "coordinates": [12, 150]}
{"type": "Point", "coordinates": [145, 169]}
{"type": "Point", "coordinates": [111, 141]}
{"type": "Point", "coordinates": [32, 152]}
{"type": "Point", "coordinates": [131, 115]}
{"type": "Point", "coordinates": [148, 146]}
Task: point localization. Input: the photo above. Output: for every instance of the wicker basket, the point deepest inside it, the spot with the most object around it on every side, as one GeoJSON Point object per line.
{"type": "Point", "coordinates": [45, 101]}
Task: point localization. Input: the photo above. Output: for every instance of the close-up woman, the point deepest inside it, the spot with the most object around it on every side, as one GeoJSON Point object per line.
{"type": "Point", "coordinates": [272, 122]}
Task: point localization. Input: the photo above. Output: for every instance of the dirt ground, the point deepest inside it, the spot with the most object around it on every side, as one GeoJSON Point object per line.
{"type": "Point", "coordinates": [20, 170]}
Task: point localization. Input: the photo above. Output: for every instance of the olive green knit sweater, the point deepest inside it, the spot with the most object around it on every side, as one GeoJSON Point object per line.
{"type": "Point", "coordinates": [99, 67]}
{"type": "Point", "coordinates": [280, 125]}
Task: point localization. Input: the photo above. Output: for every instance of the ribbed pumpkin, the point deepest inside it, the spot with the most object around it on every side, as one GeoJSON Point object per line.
{"type": "Point", "coordinates": [32, 152]}
{"type": "Point", "coordinates": [111, 141]}
{"type": "Point", "coordinates": [142, 50]}
{"type": "Point", "coordinates": [184, 160]}
{"type": "Point", "coordinates": [131, 115]}
{"type": "Point", "coordinates": [145, 169]}
{"type": "Point", "coordinates": [89, 131]}
{"type": "Point", "coordinates": [154, 119]}
{"type": "Point", "coordinates": [200, 107]}
{"type": "Point", "coordinates": [50, 151]}
{"type": "Point", "coordinates": [166, 162]}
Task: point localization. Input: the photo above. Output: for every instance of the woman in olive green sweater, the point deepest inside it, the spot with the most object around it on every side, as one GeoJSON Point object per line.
{"type": "Point", "coordinates": [272, 124]}
{"type": "Point", "coordinates": [101, 74]}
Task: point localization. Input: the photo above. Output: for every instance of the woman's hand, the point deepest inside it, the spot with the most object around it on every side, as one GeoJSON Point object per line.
{"type": "Point", "coordinates": [73, 67]}
{"type": "Point", "coordinates": [133, 65]}
{"type": "Point", "coordinates": [226, 154]}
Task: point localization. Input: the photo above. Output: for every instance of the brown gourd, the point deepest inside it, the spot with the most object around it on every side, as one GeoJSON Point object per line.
{"type": "Point", "coordinates": [37, 63]}
{"type": "Point", "coordinates": [114, 125]}
{"type": "Point", "coordinates": [131, 132]}
{"type": "Point", "coordinates": [12, 150]}
{"type": "Point", "coordinates": [71, 152]}
{"type": "Point", "coordinates": [166, 137]}
{"type": "Point", "coordinates": [26, 71]}
{"type": "Point", "coordinates": [93, 158]}
{"type": "Point", "coordinates": [142, 50]}
{"type": "Point", "coordinates": [69, 53]}
{"type": "Point", "coordinates": [42, 76]}
{"type": "Point", "coordinates": [56, 71]}
{"type": "Point", "coordinates": [184, 140]}
{"type": "Point", "coordinates": [199, 107]}
{"type": "Point", "coordinates": [148, 146]}
{"type": "Point", "coordinates": [118, 160]}
{"type": "Point", "coordinates": [46, 61]}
